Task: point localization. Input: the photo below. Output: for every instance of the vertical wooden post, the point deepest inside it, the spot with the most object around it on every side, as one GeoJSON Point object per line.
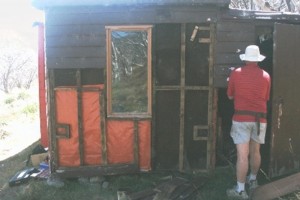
{"type": "Point", "coordinates": [182, 99]}
{"type": "Point", "coordinates": [103, 127]}
{"type": "Point", "coordinates": [42, 87]}
{"type": "Point", "coordinates": [211, 106]}
{"type": "Point", "coordinates": [80, 116]}
{"type": "Point", "coordinates": [52, 122]}
{"type": "Point", "coordinates": [136, 142]}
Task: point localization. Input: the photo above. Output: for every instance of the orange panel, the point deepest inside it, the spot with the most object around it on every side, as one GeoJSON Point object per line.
{"type": "Point", "coordinates": [66, 113]}
{"type": "Point", "coordinates": [145, 145]}
{"type": "Point", "coordinates": [120, 140]}
{"type": "Point", "coordinates": [91, 128]}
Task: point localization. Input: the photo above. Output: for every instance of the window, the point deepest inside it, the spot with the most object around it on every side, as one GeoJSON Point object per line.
{"type": "Point", "coordinates": [129, 70]}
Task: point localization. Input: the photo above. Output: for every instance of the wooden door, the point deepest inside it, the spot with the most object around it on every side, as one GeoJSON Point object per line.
{"type": "Point", "coordinates": [285, 138]}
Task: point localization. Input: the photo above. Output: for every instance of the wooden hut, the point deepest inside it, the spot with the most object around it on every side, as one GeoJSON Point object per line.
{"type": "Point", "coordinates": [139, 85]}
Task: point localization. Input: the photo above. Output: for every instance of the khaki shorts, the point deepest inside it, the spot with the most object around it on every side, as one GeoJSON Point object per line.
{"type": "Point", "coordinates": [241, 132]}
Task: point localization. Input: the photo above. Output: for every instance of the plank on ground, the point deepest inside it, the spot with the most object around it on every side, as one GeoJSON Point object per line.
{"type": "Point", "coordinates": [277, 188]}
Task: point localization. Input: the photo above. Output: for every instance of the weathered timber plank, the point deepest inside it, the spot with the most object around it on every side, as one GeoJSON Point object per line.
{"type": "Point", "coordinates": [81, 52]}
{"type": "Point", "coordinates": [77, 29]}
{"type": "Point", "coordinates": [89, 171]}
{"type": "Point", "coordinates": [51, 3]}
{"type": "Point", "coordinates": [76, 41]}
{"type": "Point", "coordinates": [277, 188]}
{"type": "Point", "coordinates": [142, 194]}
{"type": "Point", "coordinates": [235, 36]}
{"type": "Point", "coordinates": [67, 63]}
{"type": "Point", "coordinates": [234, 26]}
{"type": "Point", "coordinates": [131, 15]}
{"type": "Point", "coordinates": [231, 47]}
{"type": "Point", "coordinates": [227, 59]}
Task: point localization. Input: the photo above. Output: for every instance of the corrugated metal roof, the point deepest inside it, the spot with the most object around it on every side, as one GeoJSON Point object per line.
{"type": "Point", "coordinates": [52, 3]}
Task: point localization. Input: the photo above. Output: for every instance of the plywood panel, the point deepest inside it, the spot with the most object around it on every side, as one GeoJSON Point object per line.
{"type": "Point", "coordinates": [167, 45]}
{"type": "Point", "coordinates": [167, 129]}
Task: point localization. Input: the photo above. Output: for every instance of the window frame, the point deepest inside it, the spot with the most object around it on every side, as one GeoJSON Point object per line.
{"type": "Point", "coordinates": [109, 29]}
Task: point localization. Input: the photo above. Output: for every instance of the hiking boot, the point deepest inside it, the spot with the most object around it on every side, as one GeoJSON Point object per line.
{"type": "Point", "coordinates": [234, 194]}
{"type": "Point", "coordinates": [252, 184]}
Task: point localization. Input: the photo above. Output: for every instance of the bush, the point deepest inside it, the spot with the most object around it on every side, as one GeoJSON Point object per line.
{"type": "Point", "coordinates": [9, 100]}
{"type": "Point", "coordinates": [23, 95]}
{"type": "Point", "coordinates": [30, 109]}
{"type": "Point", "coordinates": [3, 133]}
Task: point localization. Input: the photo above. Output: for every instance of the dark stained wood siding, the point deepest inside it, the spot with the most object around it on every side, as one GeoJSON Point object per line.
{"type": "Point", "coordinates": [75, 36]}
{"type": "Point", "coordinates": [232, 37]}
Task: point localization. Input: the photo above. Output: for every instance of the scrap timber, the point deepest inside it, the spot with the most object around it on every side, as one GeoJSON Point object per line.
{"type": "Point", "coordinates": [177, 188]}
{"type": "Point", "coordinates": [277, 188]}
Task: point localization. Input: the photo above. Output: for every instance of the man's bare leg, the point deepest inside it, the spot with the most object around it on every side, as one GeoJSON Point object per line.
{"type": "Point", "coordinates": [255, 157]}
{"type": "Point", "coordinates": [242, 164]}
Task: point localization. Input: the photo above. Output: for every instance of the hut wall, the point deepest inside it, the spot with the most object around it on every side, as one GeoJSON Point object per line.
{"type": "Point", "coordinates": [76, 35]}
{"type": "Point", "coordinates": [76, 56]}
{"type": "Point", "coordinates": [232, 37]}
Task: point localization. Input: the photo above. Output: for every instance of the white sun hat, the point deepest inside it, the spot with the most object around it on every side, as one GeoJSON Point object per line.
{"type": "Point", "coordinates": [252, 54]}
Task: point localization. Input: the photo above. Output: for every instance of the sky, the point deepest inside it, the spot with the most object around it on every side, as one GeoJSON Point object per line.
{"type": "Point", "coordinates": [18, 16]}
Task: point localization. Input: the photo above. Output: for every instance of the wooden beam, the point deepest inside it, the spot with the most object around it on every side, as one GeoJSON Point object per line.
{"type": "Point", "coordinates": [182, 99]}
{"type": "Point", "coordinates": [277, 188]}
{"type": "Point", "coordinates": [90, 171]}
{"type": "Point", "coordinates": [210, 160]}
{"type": "Point", "coordinates": [80, 117]}
{"type": "Point", "coordinates": [103, 127]}
{"type": "Point", "coordinates": [136, 141]}
{"type": "Point", "coordinates": [52, 121]}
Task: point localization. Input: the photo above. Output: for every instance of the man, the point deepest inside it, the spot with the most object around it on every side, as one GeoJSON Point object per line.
{"type": "Point", "coordinates": [249, 87]}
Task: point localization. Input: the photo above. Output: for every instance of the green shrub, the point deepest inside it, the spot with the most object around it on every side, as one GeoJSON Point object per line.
{"type": "Point", "coordinates": [23, 95]}
{"type": "Point", "coordinates": [30, 109]}
{"type": "Point", "coordinates": [3, 133]}
{"type": "Point", "coordinates": [9, 100]}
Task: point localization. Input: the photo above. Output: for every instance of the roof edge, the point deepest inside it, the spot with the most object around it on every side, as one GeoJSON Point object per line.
{"type": "Point", "coordinates": [43, 4]}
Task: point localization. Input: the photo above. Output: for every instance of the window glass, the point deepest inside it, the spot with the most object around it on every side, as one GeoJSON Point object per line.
{"type": "Point", "coordinates": [128, 71]}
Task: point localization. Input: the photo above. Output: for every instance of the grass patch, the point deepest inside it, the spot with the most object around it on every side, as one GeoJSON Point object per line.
{"type": "Point", "coordinates": [30, 109]}
{"type": "Point", "coordinates": [3, 133]}
{"type": "Point", "coordinates": [9, 100]}
{"type": "Point", "coordinates": [23, 95]}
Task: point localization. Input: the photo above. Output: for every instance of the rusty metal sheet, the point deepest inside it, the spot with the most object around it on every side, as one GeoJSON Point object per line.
{"type": "Point", "coordinates": [285, 148]}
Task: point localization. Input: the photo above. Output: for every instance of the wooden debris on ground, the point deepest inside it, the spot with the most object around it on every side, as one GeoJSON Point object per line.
{"type": "Point", "coordinates": [175, 189]}
{"type": "Point", "coordinates": [277, 188]}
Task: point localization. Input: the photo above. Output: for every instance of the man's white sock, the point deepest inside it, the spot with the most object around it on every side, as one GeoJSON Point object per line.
{"type": "Point", "coordinates": [240, 186]}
